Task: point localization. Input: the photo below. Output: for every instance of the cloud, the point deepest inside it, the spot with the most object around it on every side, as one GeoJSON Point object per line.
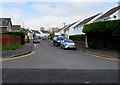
{"type": "Point", "coordinates": [50, 21]}
{"type": "Point", "coordinates": [14, 13]}
{"type": "Point", "coordinates": [59, 0]}
{"type": "Point", "coordinates": [48, 10]}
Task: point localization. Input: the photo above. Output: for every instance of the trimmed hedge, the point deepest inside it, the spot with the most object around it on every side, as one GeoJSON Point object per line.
{"type": "Point", "coordinates": [77, 37]}
{"type": "Point", "coordinates": [15, 33]}
{"type": "Point", "coordinates": [112, 26]}
{"type": "Point", "coordinates": [103, 35]}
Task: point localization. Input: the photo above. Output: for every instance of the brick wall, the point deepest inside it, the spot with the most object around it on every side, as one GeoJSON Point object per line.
{"type": "Point", "coordinates": [7, 40]}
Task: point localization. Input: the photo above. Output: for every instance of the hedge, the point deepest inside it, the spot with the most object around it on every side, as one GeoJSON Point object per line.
{"type": "Point", "coordinates": [77, 37]}
{"type": "Point", "coordinates": [103, 34]}
{"type": "Point", "coordinates": [112, 26]}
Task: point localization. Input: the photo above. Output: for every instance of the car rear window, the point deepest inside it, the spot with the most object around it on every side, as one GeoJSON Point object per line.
{"type": "Point", "coordinates": [60, 38]}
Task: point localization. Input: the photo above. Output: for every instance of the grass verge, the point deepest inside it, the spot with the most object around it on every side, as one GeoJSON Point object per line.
{"type": "Point", "coordinates": [12, 47]}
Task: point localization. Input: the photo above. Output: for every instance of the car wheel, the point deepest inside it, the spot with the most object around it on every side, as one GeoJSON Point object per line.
{"type": "Point", "coordinates": [64, 48]}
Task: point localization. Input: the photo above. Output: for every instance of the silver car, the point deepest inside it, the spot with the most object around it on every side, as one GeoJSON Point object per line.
{"type": "Point", "coordinates": [67, 43]}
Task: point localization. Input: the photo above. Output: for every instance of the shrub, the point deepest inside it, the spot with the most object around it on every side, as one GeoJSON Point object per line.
{"type": "Point", "coordinates": [103, 34]}
{"type": "Point", "coordinates": [77, 37]}
{"type": "Point", "coordinates": [112, 26]}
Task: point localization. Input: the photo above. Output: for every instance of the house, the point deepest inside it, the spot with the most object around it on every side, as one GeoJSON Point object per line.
{"type": "Point", "coordinates": [16, 28]}
{"type": "Point", "coordinates": [45, 33]}
{"type": "Point", "coordinates": [61, 30]}
{"type": "Point", "coordinates": [55, 31]}
{"type": "Point", "coordinates": [119, 10]}
{"type": "Point", "coordinates": [69, 29]}
{"type": "Point", "coordinates": [5, 25]}
{"type": "Point", "coordinates": [29, 34]}
{"type": "Point", "coordinates": [112, 14]}
{"type": "Point", "coordinates": [36, 33]}
{"type": "Point", "coordinates": [79, 27]}
{"type": "Point", "coordinates": [26, 32]}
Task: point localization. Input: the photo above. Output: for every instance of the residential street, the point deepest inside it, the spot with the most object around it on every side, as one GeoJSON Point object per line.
{"type": "Point", "coordinates": [52, 64]}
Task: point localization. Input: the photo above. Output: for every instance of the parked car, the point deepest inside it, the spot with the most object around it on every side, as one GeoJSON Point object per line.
{"type": "Point", "coordinates": [57, 40]}
{"type": "Point", "coordinates": [36, 40]}
{"type": "Point", "coordinates": [67, 43]}
{"type": "Point", "coordinates": [44, 38]}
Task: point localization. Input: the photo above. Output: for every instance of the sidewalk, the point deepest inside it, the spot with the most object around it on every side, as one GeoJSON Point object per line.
{"type": "Point", "coordinates": [26, 48]}
{"type": "Point", "coordinates": [109, 54]}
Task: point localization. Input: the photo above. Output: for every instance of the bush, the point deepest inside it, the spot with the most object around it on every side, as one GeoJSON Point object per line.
{"type": "Point", "coordinates": [77, 37]}
{"type": "Point", "coordinates": [103, 34]}
{"type": "Point", "coordinates": [112, 27]}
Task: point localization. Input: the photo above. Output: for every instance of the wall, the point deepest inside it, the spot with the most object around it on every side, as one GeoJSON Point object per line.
{"type": "Point", "coordinates": [7, 40]}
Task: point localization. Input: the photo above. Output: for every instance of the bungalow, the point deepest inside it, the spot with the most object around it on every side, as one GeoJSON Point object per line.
{"type": "Point", "coordinates": [69, 29]}
{"type": "Point", "coordinates": [16, 28]}
{"type": "Point", "coordinates": [79, 27]}
{"type": "Point", "coordinates": [45, 33]}
{"type": "Point", "coordinates": [61, 31]}
{"type": "Point", "coordinates": [36, 33]}
{"type": "Point", "coordinates": [5, 25]}
{"type": "Point", "coordinates": [112, 14]}
{"type": "Point", "coordinates": [29, 34]}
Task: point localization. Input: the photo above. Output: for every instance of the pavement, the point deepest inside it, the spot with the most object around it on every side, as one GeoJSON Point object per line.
{"type": "Point", "coordinates": [98, 52]}
{"type": "Point", "coordinates": [28, 47]}
{"type": "Point", "coordinates": [25, 49]}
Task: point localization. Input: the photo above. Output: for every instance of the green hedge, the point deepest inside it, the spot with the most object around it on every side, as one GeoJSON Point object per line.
{"type": "Point", "coordinates": [15, 33]}
{"type": "Point", "coordinates": [77, 37]}
{"type": "Point", "coordinates": [103, 34]}
{"type": "Point", "coordinates": [112, 26]}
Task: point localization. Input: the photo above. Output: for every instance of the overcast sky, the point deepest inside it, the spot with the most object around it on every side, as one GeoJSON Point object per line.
{"type": "Point", "coordinates": [52, 14]}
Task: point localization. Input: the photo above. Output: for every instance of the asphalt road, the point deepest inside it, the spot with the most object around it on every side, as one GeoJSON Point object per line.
{"type": "Point", "coordinates": [51, 64]}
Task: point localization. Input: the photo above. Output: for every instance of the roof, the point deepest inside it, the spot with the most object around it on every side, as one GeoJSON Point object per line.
{"type": "Point", "coordinates": [108, 13]}
{"type": "Point", "coordinates": [5, 21]}
{"type": "Point", "coordinates": [44, 31]}
{"type": "Point", "coordinates": [25, 30]}
{"type": "Point", "coordinates": [63, 27]}
{"type": "Point", "coordinates": [70, 25]}
{"type": "Point", "coordinates": [29, 31]}
{"type": "Point", "coordinates": [36, 31]}
{"type": "Point", "coordinates": [85, 21]}
{"type": "Point", "coordinates": [16, 27]}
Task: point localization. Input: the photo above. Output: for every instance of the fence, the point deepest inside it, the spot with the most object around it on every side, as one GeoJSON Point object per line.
{"type": "Point", "coordinates": [7, 40]}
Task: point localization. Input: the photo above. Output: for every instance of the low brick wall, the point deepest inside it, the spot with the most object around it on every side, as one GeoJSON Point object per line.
{"type": "Point", "coordinates": [7, 40]}
{"type": "Point", "coordinates": [80, 44]}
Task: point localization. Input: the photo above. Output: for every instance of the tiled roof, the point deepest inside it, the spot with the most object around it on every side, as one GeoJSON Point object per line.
{"type": "Point", "coordinates": [29, 31]}
{"type": "Point", "coordinates": [70, 26]}
{"type": "Point", "coordinates": [36, 31]}
{"type": "Point", "coordinates": [44, 31]}
{"type": "Point", "coordinates": [85, 21]}
{"type": "Point", "coordinates": [5, 21]}
{"type": "Point", "coordinates": [63, 27]}
{"type": "Point", "coordinates": [108, 13]}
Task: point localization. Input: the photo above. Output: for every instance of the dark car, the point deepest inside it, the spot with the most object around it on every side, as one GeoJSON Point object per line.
{"type": "Point", "coordinates": [36, 40]}
{"type": "Point", "coordinates": [57, 40]}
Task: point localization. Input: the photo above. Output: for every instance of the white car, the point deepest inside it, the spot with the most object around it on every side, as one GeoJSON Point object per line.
{"type": "Point", "coordinates": [67, 43]}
